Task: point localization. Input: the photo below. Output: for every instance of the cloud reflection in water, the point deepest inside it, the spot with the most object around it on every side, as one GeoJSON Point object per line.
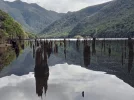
{"type": "Point", "coordinates": [67, 82]}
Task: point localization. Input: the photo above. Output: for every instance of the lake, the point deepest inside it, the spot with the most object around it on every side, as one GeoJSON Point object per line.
{"type": "Point", "coordinates": [76, 69]}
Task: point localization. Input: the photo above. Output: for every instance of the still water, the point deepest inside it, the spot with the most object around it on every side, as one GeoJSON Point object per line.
{"type": "Point", "coordinates": [71, 70]}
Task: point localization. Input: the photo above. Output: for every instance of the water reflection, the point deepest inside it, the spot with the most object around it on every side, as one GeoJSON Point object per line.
{"type": "Point", "coordinates": [9, 50]}
{"type": "Point", "coordinates": [49, 48]}
{"type": "Point", "coordinates": [67, 82]}
{"type": "Point", "coordinates": [56, 48]}
{"type": "Point", "coordinates": [109, 50]}
{"type": "Point", "coordinates": [15, 46]}
{"type": "Point", "coordinates": [65, 45]}
{"type": "Point", "coordinates": [112, 57]}
{"type": "Point", "coordinates": [130, 55]}
{"type": "Point", "coordinates": [93, 46]}
{"type": "Point", "coordinates": [83, 94]}
{"type": "Point", "coordinates": [33, 51]}
{"type": "Point", "coordinates": [86, 54]}
{"type": "Point", "coordinates": [77, 44]}
{"type": "Point", "coordinates": [41, 68]}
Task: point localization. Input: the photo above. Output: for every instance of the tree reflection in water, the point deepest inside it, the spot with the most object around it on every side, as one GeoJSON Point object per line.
{"type": "Point", "coordinates": [56, 48]}
{"type": "Point", "coordinates": [109, 50]}
{"type": "Point", "coordinates": [41, 69]}
{"type": "Point", "coordinates": [130, 55]}
{"type": "Point", "coordinates": [15, 46]}
{"type": "Point", "coordinates": [86, 54]}
{"type": "Point", "coordinates": [77, 44]}
{"type": "Point", "coordinates": [33, 51]}
{"type": "Point", "coordinates": [65, 44]}
{"type": "Point", "coordinates": [110, 56]}
{"type": "Point", "coordinates": [93, 46]}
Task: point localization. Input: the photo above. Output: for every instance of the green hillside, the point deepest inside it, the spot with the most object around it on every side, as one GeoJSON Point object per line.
{"type": "Point", "coordinates": [9, 29]}
{"type": "Point", "coordinates": [64, 25]}
{"type": "Point", "coordinates": [114, 20]}
{"type": "Point", "coordinates": [32, 17]}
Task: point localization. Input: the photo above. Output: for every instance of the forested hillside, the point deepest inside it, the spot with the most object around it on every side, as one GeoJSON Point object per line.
{"type": "Point", "coordinates": [32, 17]}
{"type": "Point", "coordinates": [114, 20]}
{"type": "Point", "coordinates": [9, 29]}
{"type": "Point", "coordinates": [63, 26]}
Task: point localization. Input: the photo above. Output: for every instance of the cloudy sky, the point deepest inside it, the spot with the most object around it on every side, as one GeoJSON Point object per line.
{"type": "Point", "coordinates": [64, 5]}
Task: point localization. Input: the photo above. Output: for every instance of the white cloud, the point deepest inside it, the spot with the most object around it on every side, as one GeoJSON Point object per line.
{"type": "Point", "coordinates": [66, 82]}
{"type": "Point", "coordinates": [64, 5]}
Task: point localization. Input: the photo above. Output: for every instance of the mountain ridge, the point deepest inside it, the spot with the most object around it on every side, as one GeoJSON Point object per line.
{"type": "Point", "coordinates": [70, 20]}
{"type": "Point", "coordinates": [113, 20]}
{"type": "Point", "coordinates": [32, 17]}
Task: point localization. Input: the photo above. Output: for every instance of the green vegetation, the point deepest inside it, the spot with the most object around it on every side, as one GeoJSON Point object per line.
{"type": "Point", "coordinates": [69, 21]}
{"type": "Point", "coordinates": [6, 57]}
{"type": "Point", "coordinates": [9, 29]}
{"type": "Point", "coordinates": [31, 35]}
{"type": "Point", "coordinates": [3, 36]}
{"type": "Point", "coordinates": [57, 35]}
{"type": "Point", "coordinates": [78, 37]}
{"type": "Point", "coordinates": [114, 20]}
{"type": "Point", "coordinates": [110, 20]}
{"type": "Point", "coordinates": [32, 17]}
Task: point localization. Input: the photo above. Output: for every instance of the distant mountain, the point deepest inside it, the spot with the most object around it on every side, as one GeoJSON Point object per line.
{"type": "Point", "coordinates": [64, 25]}
{"type": "Point", "coordinates": [32, 17]}
{"type": "Point", "coordinates": [114, 20]}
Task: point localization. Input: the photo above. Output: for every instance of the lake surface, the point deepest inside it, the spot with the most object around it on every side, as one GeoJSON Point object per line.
{"type": "Point", "coordinates": [97, 69]}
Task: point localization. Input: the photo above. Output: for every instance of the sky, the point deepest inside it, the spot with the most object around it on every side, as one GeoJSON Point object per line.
{"type": "Point", "coordinates": [64, 6]}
